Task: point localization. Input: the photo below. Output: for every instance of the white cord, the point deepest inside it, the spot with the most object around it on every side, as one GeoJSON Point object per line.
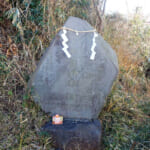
{"type": "Point", "coordinates": [65, 40]}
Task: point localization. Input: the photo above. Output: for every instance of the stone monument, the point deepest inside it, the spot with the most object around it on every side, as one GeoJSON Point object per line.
{"type": "Point", "coordinates": [72, 79]}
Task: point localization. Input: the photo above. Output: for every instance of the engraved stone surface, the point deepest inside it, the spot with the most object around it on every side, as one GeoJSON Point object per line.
{"type": "Point", "coordinates": [74, 85]}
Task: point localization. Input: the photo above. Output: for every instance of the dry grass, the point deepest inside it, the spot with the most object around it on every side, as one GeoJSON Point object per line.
{"type": "Point", "coordinates": [126, 116]}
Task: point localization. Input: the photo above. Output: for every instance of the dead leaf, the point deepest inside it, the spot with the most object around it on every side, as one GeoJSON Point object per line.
{"type": "Point", "coordinates": [9, 40]}
{"type": "Point", "coordinates": [14, 49]}
{"type": "Point", "coordinates": [8, 53]}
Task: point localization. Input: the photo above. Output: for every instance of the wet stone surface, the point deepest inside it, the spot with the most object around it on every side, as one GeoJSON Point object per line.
{"type": "Point", "coordinates": [75, 134]}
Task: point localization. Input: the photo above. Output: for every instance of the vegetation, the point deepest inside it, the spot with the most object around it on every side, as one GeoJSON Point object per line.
{"type": "Point", "coordinates": [26, 29]}
{"type": "Point", "coordinates": [125, 117]}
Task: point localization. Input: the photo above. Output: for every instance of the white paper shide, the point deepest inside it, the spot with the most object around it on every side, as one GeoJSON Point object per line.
{"type": "Point", "coordinates": [64, 43]}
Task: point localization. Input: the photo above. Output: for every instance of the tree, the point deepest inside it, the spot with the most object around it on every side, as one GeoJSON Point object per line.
{"type": "Point", "coordinates": [100, 6]}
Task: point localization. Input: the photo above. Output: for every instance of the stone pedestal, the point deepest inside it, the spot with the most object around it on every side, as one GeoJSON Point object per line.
{"type": "Point", "coordinates": [75, 134]}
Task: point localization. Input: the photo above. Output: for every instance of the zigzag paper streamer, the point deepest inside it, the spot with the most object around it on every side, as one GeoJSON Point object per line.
{"type": "Point", "coordinates": [92, 57]}
{"type": "Point", "coordinates": [64, 43]}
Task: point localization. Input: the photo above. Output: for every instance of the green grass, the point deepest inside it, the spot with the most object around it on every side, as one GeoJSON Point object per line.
{"type": "Point", "coordinates": [126, 122]}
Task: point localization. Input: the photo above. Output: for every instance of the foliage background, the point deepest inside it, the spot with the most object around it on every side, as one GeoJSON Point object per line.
{"type": "Point", "coordinates": [26, 29]}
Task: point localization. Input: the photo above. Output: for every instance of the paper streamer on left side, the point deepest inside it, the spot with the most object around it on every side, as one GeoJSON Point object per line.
{"type": "Point", "coordinates": [64, 43]}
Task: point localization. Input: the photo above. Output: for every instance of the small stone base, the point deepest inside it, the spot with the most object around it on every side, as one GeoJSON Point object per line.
{"type": "Point", "coordinates": [75, 134]}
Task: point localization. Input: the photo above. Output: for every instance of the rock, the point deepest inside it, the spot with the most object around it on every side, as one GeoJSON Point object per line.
{"type": "Point", "coordinates": [74, 77]}
{"type": "Point", "coordinates": [75, 134]}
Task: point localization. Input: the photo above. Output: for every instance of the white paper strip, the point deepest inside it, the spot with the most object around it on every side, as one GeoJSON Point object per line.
{"type": "Point", "coordinates": [92, 57]}
{"type": "Point", "coordinates": [64, 43]}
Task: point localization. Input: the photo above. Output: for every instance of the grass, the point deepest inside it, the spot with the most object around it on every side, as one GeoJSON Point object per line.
{"type": "Point", "coordinates": [126, 115]}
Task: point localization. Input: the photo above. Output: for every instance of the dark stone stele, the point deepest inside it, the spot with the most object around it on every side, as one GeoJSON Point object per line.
{"type": "Point", "coordinates": [75, 87]}
{"type": "Point", "coordinates": [75, 134]}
